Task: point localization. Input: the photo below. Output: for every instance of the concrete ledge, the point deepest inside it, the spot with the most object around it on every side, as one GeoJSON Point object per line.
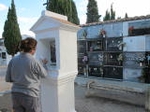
{"type": "Point", "coordinates": [116, 88]}
{"type": "Point", "coordinates": [126, 86]}
{"type": "Point", "coordinates": [128, 92]}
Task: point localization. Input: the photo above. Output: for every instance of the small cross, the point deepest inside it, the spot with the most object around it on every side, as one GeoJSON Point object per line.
{"type": "Point", "coordinates": [46, 3]}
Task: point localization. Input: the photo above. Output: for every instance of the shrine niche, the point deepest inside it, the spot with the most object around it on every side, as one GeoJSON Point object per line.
{"type": "Point", "coordinates": [53, 52]}
{"type": "Point", "coordinates": [47, 51]}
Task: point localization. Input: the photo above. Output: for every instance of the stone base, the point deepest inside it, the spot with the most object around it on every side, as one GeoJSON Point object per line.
{"type": "Point", "coordinates": [58, 94]}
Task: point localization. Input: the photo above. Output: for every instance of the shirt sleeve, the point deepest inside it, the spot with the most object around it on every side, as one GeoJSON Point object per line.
{"type": "Point", "coordinates": [8, 72]}
{"type": "Point", "coordinates": [42, 70]}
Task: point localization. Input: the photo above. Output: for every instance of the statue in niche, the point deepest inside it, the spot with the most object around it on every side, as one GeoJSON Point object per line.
{"type": "Point", "coordinates": [53, 52]}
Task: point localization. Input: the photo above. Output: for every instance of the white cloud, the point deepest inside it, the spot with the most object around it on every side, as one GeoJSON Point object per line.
{"type": "Point", "coordinates": [3, 7]}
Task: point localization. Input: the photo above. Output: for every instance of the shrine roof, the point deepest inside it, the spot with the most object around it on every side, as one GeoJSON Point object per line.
{"type": "Point", "coordinates": [50, 19]}
{"type": "Point", "coordinates": [64, 21]}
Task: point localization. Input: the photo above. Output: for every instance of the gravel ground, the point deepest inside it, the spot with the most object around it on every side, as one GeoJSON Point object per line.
{"type": "Point", "coordinates": [84, 104]}
{"type": "Point", "coordinates": [5, 103]}
{"type": "Point", "coordinates": [97, 104]}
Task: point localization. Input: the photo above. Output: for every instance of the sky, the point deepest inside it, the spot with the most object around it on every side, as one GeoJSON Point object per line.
{"type": "Point", "coordinates": [28, 11]}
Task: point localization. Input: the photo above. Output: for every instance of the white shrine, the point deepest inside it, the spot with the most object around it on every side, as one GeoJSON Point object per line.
{"type": "Point", "coordinates": [57, 42]}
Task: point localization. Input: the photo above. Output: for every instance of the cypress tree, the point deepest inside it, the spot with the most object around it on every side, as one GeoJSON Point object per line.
{"type": "Point", "coordinates": [112, 13]}
{"type": "Point", "coordinates": [107, 16]}
{"type": "Point", "coordinates": [11, 33]}
{"type": "Point", "coordinates": [126, 15]}
{"type": "Point", "coordinates": [64, 7]}
{"type": "Point", "coordinates": [92, 12]}
{"type": "Point", "coordinates": [75, 14]}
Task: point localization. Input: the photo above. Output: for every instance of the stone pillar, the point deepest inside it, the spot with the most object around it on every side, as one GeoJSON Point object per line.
{"type": "Point", "coordinates": [57, 42]}
{"type": "Point", "coordinates": [58, 94]}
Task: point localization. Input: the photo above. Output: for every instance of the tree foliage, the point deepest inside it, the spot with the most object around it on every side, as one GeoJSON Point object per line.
{"type": "Point", "coordinates": [11, 33]}
{"type": "Point", "coordinates": [92, 12]}
{"type": "Point", "coordinates": [65, 7]}
{"type": "Point", "coordinates": [107, 16]}
{"type": "Point", "coordinates": [110, 15]}
{"type": "Point", "coordinates": [126, 15]}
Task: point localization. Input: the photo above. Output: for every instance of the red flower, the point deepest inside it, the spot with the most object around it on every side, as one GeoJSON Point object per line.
{"type": "Point", "coordinates": [131, 28]}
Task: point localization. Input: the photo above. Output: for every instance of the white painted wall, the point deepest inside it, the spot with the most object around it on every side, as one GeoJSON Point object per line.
{"type": "Point", "coordinates": [68, 43]}
{"type": "Point", "coordinates": [135, 43]}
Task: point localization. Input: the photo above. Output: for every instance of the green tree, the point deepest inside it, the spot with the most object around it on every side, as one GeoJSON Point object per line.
{"type": "Point", "coordinates": [11, 33]}
{"type": "Point", "coordinates": [65, 7]}
{"type": "Point", "coordinates": [107, 16]}
{"type": "Point", "coordinates": [126, 15]}
{"type": "Point", "coordinates": [119, 17]}
{"type": "Point", "coordinates": [92, 12]}
{"type": "Point", "coordinates": [110, 15]}
{"type": "Point", "coordinates": [75, 14]}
